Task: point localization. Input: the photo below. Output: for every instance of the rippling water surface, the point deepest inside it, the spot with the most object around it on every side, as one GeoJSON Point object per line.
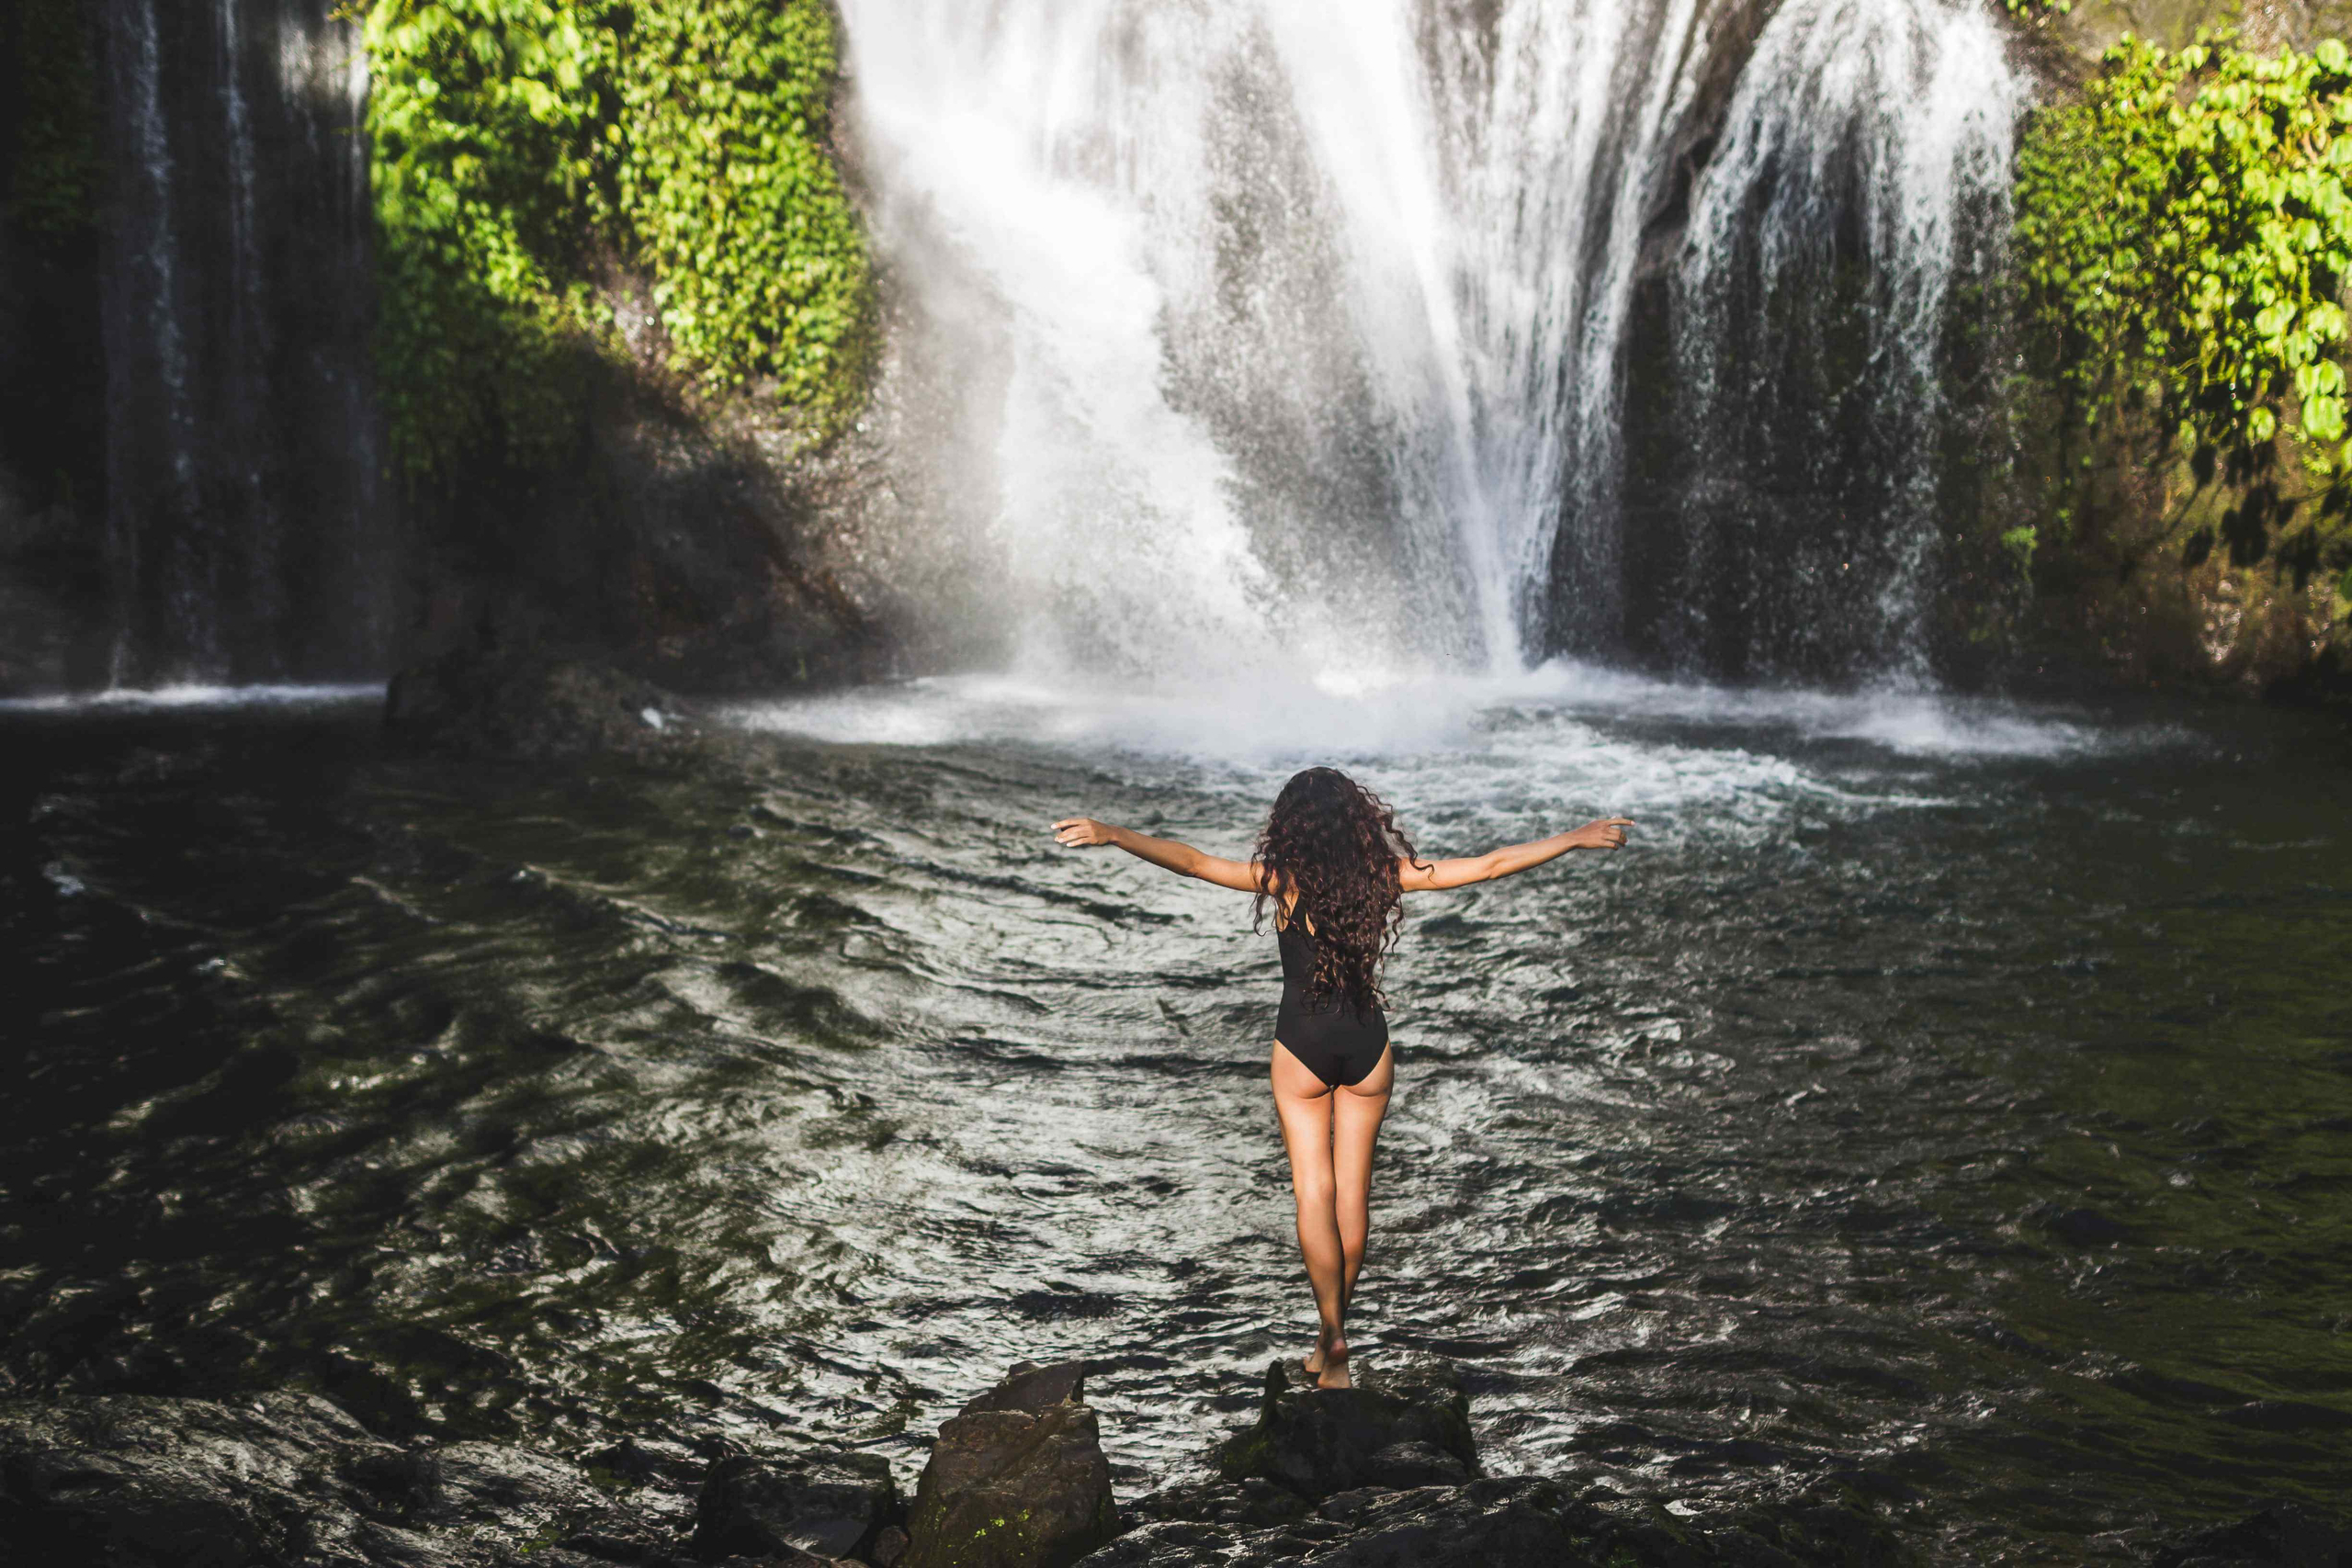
{"type": "Point", "coordinates": [1952, 1095]}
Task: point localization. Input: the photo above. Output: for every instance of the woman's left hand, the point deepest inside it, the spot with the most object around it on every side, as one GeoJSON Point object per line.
{"type": "Point", "coordinates": [1082, 833]}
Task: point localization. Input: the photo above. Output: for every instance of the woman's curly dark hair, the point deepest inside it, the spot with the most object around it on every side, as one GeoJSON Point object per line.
{"type": "Point", "coordinates": [1334, 843]}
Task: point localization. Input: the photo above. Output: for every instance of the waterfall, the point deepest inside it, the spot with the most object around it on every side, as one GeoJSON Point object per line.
{"type": "Point", "coordinates": [150, 479]}
{"type": "Point", "coordinates": [250, 533]}
{"type": "Point", "coordinates": [1323, 317]}
{"type": "Point", "coordinates": [1862, 180]}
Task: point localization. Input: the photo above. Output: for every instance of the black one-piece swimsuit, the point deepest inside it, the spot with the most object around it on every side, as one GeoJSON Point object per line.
{"type": "Point", "coordinates": [1335, 1042]}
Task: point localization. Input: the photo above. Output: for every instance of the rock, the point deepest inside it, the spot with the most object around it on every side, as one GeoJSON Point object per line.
{"type": "Point", "coordinates": [889, 1547]}
{"type": "Point", "coordinates": [1406, 1424]}
{"type": "Point", "coordinates": [1170, 1543]}
{"type": "Point", "coordinates": [1252, 1503]}
{"type": "Point", "coordinates": [1344, 1507]}
{"type": "Point", "coordinates": [1402, 1465]}
{"type": "Point", "coordinates": [399, 1482]}
{"type": "Point", "coordinates": [1492, 1525]}
{"type": "Point", "coordinates": [1031, 1387]}
{"type": "Point", "coordinates": [1017, 1480]}
{"type": "Point", "coordinates": [827, 1505]}
{"type": "Point", "coordinates": [529, 704]}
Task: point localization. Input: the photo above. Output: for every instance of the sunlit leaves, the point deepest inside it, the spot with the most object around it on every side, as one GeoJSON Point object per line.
{"type": "Point", "coordinates": [520, 145]}
{"type": "Point", "coordinates": [762, 266]}
{"type": "Point", "coordinates": [2188, 230]}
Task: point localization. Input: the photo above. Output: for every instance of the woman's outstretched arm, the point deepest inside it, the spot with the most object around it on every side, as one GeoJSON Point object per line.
{"type": "Point", "coordinates": [1086, 833]}
{"type": "Point", "coordinates": [1422, 876]}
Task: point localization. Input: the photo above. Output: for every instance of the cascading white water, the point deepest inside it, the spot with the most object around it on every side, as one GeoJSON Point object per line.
{"type": "Point", "coordinates": [147, 358]}
{"type": "Point", "coordinates": [1318, 311]}
{"type": "Point", "coordinates": [1557, 124]}
{"type": "Point", "coordinates": [250, 533]}
{"type": "Point", "coordinates": [1872, 136]}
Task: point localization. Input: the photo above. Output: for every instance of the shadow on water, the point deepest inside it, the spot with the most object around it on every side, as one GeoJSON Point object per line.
{"type": "Point", "coordinates": [1962, 1109]}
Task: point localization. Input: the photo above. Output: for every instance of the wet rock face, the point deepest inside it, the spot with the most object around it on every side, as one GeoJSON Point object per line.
{"type": "Point", "coordinates": [1406, 1424]}
{"type": "Point", "coordinates": [826, 1504]}
{"type": "Point", "coordinates": [528, 706]}
{"type": "Point", "coordinates": [1017, 1480]}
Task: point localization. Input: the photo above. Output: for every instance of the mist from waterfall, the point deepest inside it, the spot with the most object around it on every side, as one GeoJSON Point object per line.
{"type": "Point", "coordinates": [1319, 314]}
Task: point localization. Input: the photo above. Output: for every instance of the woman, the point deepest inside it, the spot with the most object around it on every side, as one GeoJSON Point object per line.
{"type": "Point", "coordinates": [1334, 867]}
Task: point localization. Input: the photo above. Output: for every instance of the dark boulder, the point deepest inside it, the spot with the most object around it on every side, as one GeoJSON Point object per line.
{"type": "Point", "coordinates": [827, 1505]}
{"type": "Point", "coordinates": [1406, 1424]}
{"type": "Point", "coordinates": [529, 704]}
{"type": "Point", "coordinates": [1017, 1480]}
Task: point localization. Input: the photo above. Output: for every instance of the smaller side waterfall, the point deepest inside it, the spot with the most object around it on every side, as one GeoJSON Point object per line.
{"type": "Point", "coordinates": [250, 531]}
{"type": "Point", "coordinates": [1794, 425]}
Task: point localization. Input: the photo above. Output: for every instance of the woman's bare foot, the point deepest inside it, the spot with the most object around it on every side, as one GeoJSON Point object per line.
{"type": "Point", "coordinates": [1329, 1364]}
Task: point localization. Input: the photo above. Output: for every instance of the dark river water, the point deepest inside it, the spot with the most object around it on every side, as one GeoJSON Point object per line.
{"type": "Point", "coordinates": [1956, 1096]}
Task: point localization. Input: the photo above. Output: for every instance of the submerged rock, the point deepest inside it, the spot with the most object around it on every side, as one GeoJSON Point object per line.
{"type": "Point", "coordinates": [827, 1505]}
{"type": "Point", "coordinates": [1406, 1424]}
{"type": "Point", "coordinates": [1017, 1480]}
{"type": "Point", "coordinates": [529, 704]}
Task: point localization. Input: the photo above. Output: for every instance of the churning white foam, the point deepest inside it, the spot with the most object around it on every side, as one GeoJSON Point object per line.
{"type": "Point", "coordinates": [134, 699]}
{"type": "Point", "coordinates": [1353, 717]}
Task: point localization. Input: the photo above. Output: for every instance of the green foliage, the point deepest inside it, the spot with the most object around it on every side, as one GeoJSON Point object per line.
{"type": "Point", "coordinates": [523, 148]}
{"type": "Point", "coordinates": [52, 189]}
{"type": "Point", "coordinates": [762, 270]}
{"type": "Point", "coordinates": [485, 119]}
{"type": "Point", "coordinates": [2186, 231]}
{"type": "Point", "coordinates": [2020, 543]}
{"type": "Point", "coordinates": [2028, 7]}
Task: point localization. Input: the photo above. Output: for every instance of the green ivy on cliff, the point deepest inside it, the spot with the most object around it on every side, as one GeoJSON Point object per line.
{"type": "Point", "coordinates": [762, 268]}
{"type": "Point", "coordinates": [525, 151]}
{"type": "Point", "coordinates": [485, 122]}
{"type": "Point", "coordinates": [2186, 231]}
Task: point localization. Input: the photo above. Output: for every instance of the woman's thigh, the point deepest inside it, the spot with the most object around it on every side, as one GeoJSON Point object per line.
{"type": "Point", "coordinates": [1303, 1104]}
{"type": "Point", "coordinates": [1356, 1113]}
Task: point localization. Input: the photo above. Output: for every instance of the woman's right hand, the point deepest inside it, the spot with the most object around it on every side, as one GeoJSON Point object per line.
{"type": "Point", "coordinates": [1609, 833]}
{"type": "Point", "coordinates": [1083, 833]}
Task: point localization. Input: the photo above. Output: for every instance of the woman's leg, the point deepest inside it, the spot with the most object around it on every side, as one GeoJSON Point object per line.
{"type": "Point", "coordinates": [1303, 1102]}
{"type": "Point", "coordinates": [1356, 1110]}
